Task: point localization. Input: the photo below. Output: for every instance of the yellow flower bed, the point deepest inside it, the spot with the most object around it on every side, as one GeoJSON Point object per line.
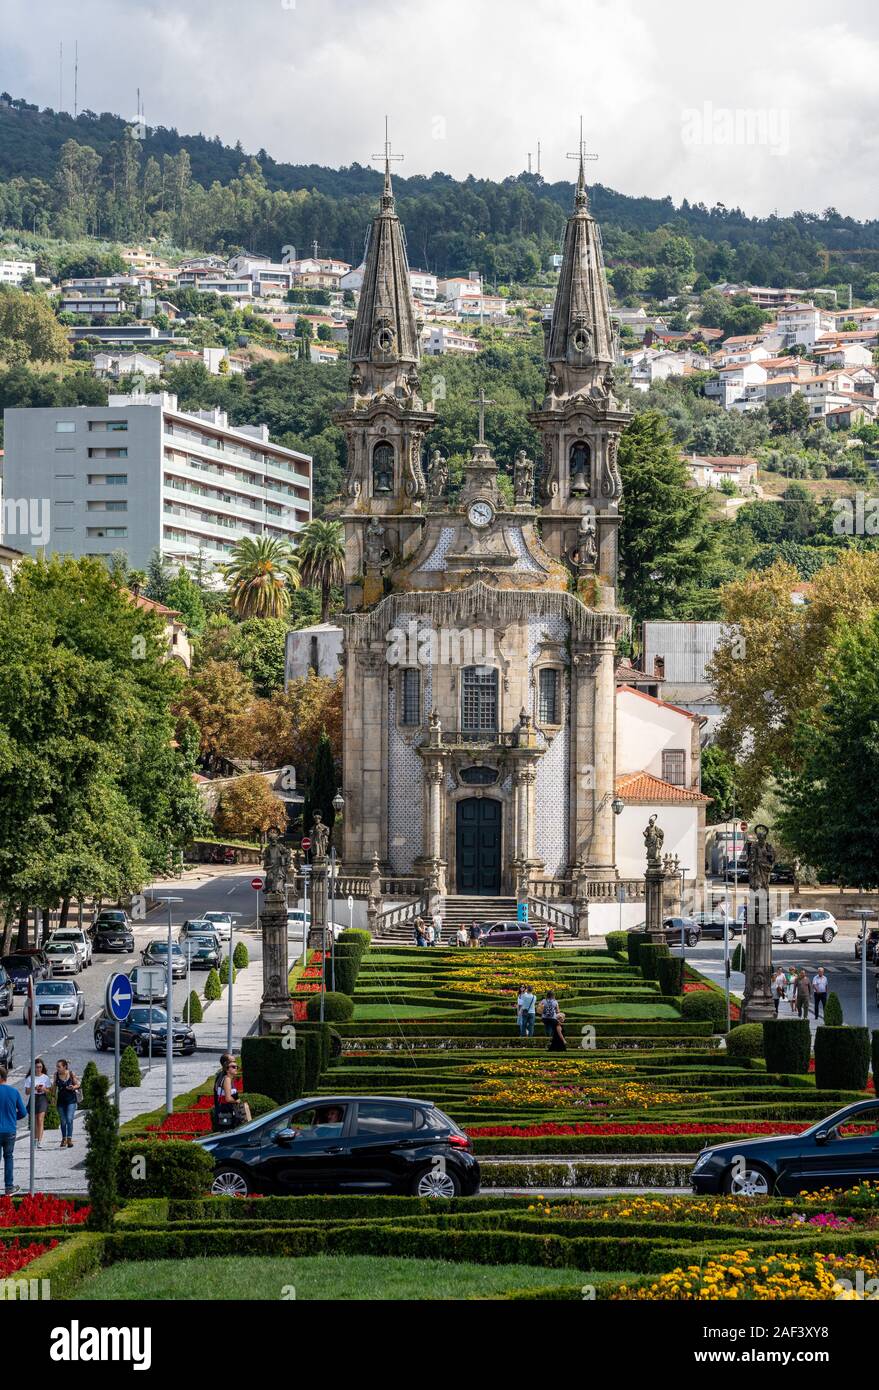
{"type": "Point", "coordinates": [745, 1275]}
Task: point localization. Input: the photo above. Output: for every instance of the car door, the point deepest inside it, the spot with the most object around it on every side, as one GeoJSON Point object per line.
{"type": "Point", "coordinates": [383, 1145]}
{"type": "Point", "coordinates": [317, 1159]}
{"type": "Point", "coordinates": [846, 1158]}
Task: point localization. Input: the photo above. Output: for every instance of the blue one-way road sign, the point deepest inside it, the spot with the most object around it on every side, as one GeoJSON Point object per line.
{"type": "Point", "coordinates": [119, 997]}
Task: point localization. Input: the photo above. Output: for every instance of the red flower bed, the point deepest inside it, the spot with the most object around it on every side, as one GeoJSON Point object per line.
{"type": "Point", "coordinates": [740, 1128]}
{"type": "Point", "coordinates": [15, 1256]}
{"type": "Point", "coordinates": [300, 1014]}
{"type": "Point", "coordinates": [41, 1210]}
{"type": "Point", "coordinates": [184, 1122]}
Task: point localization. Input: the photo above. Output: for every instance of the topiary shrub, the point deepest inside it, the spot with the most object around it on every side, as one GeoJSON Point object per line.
{"type": "Point", "coordinates": [338, 1008]}
{"type": "Point", "coordinates": [260, 1105]}
{"type": "Point", "coordinates": [705, 1004]}
{"type": "Point", "coordinates": [745, 1041]}
{"type": "Point", "coordinates": [224, 973]}
{"type": "Point", "coordinates": [346, 967]}
{"type": "Point", "coordinates": [163, 1168]}
{"type": "Point", "coordinates": [274, 1065]}
{"type": "Point", "coordinates": [53, 1119]}
{"type": "Point", "coordinates": [787, 1045]}
{"type": "Point", "coordinates": [192, 1010]}
{"type": "Point", "coordinates": [737, 960]}
{"type": "Point", "coordinates": [212, 987]}
{"type": "Point", "coordinates": [649, 956]}
{"type": "Point", "coordinates": [833, 1016]}
{"type": "Point", "coordinates": [876, 1060]}
{"type": "Point", "coordinates": [129, 1068]}
{"type": "Point", "coordinates": [240, 957]}
{"type": "Point", "coordinates": [90, 1072]}
{"type": "Point", "coordinates": [634, 941]}
{"type": "Point", "coordinates": [102, 1156]}
{"type": "Point", "coordinates": [615, 941]}
{"type": "Point", "coordinates": [842, 1058]}
{"type": "Point", "coordinates": [670, 975]}
{"type": "Point", "coordinates": [354, 936]}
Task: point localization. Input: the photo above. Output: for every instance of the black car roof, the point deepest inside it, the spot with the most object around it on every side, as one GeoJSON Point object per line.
{"type": "Point", "coordinates": [348, 1100]}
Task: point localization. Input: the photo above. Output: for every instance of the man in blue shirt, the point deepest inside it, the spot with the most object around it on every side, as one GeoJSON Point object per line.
{"type": "Point", "coordinates": [12, 1110]}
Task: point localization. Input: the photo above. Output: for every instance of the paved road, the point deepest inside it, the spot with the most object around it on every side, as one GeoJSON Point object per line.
{"type": "Point", "coordinates": [227, 892]}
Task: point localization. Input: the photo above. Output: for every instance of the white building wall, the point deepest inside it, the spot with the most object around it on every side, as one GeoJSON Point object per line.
{"type": "Point", "coordinates": [681, 827]}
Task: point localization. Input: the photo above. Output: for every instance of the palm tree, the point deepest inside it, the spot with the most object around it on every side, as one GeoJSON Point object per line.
{"type": "Point", "coordinates": [321, 555]}
{"type": "Point", "coordinates": [261, 575]}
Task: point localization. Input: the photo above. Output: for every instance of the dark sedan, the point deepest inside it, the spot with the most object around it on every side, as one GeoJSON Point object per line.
{"type": "Point", "coordinates": [203, 952]}
{"type": "Point", "coordinates": [135, 1032]}
{"type": "Point", "coordinates": [112, 932]}
{"type": "Point", "coordinates": [711, 924]}
{"type": "Point", "coordinates": [21, 965]}
{"type": "Point", "coordinates": [508, 934]}
{"type": "Point", "coordinates": [7, 991]}
{"type": "Point", "coordinates": [346, 1144]}
{"type": "Point", "coordinates": [157, 954]}
{"type": "Point", "coordinates": [841, 1151]}
{"type": "Point", "coordinates": [7, 1047]}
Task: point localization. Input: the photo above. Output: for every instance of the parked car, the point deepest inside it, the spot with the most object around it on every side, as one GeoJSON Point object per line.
{"type": "Point", "coordinates": [221, 923]}
{"type": "Point", "coordinates": [7, 1047]}
{"type": "Point", "coordinates": [157, 954]}
{"type": "Point", "coordinates": [672, 928]}
{"type": "Point", "coordinates": [872, 943]}
{"type": "Point", "coordinates": [7, 991]}
{"type": "Point", "coordinates": [346, 1144]}
{"type": "Point", "coordinates": [782, 873]}
{"type": "Point", "coordinates": [203, 952]}
{"type": "Point", "coordinates": [299, 922]}
{"type": "Point", "coordinates": [21, 965]}
{"type": "Point", "coordinates": [508, 934]}
{"type": "Point", "coordinates": [57, 1001]}
{"type": "Point", "coordinates": [135, 1032]}
{"type": "Point", "coordinates": [63, 957]}
{"type": "Point", "coordinates": [112, 932]}
{"type": "Point", "coordinates": [711, 924]}
{"type": "Point", "coordinates": [112, 917]}
{"type": "Point", "coordinates": [196, 926]}
{"type": "Point", "coordinates": [78, 938]}
{"type": "Point", "coordinates": [841, 1151]}
{"type": "Point", "coordinates": [148, 984]}
{"type": "Point", "coordinates": [799, 924]}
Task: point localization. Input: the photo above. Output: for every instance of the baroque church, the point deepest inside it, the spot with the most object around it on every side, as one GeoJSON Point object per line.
{"type": "Point", "coordinates": [480, 633]}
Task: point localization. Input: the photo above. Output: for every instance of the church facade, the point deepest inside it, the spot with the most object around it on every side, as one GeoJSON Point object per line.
{"type": "Point", "coordinates": [480, 633]}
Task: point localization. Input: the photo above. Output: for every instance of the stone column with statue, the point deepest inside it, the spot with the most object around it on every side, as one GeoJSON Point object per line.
{"type": "Point", "coordinates": [654, 882]}
{"type": "Point", "coordinates": [757, 1003]}
{"type": "Point", "coordinates": [275, 1009]}
{"type": "Point", "coordinates": [320, 835]}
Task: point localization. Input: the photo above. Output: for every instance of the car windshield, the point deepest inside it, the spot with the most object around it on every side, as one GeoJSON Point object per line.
{"type": "Point", "coordinates": [154, 1015]}
{"type": "Point", "coordinates": [160, 948]}
{"type": "Point", "coordinates": [69, 934]}
{"type": "Point", "coordinates": [204, 941]}
{"type": "Point", "coordinates": [217, 917]}
{"type": "Point", "coordinates": [60, 948]}
{"type": "Point", "coordinates": [117, 918]}
{"type": "Point", "coordinates": [18, 962]}
{"type": "Point", "coordinates": [54, 987]}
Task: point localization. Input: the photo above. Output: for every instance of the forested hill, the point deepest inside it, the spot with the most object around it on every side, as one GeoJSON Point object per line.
{"type": "Point", "coordinates": [445, 218]}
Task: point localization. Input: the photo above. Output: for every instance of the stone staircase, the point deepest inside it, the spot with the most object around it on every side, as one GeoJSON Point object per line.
{"type": "Point", "coordinates": [457, 910]}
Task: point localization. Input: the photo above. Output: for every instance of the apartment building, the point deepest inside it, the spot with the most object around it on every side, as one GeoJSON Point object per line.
{"type": "Point", "coordinates": [118, 364]}
{"type": "Point", "coordinates": [424, 285]}
{"type": "Point", "coordinates": [140, 474]}
{"type": "Point", "coordinates": [443, 337]}
{"type": "Point", "coordinates": [14, 272]}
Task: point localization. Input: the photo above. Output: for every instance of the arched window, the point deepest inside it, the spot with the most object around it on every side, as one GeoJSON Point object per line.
{"type": "Point", "coordinates": [581, 461]}
{"type": "Point", "coordinates": [479, 700]}
{"type": "Point", "coordinates": [382, 468]}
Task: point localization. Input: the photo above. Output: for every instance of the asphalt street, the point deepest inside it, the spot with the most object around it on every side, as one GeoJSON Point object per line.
{"type": "Point", "coordinates": [226, 893]}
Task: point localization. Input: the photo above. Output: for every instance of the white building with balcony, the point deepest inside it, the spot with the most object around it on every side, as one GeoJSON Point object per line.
{"type": "Point", "coordinates": [140, 475]}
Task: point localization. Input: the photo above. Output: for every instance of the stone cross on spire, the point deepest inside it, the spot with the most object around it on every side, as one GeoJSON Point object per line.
{"type": "Point", "coordinates": [386, 157]}
{"type": "Point", "coordinates": [482, 401]}
{"type": "Point", "coordinates": [581, 155]}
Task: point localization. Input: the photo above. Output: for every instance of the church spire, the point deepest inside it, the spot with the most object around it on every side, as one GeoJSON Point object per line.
{"type": "Point", "coordinates": [385, 333]}
{"type": "Point", "coordinates": [580, 340]}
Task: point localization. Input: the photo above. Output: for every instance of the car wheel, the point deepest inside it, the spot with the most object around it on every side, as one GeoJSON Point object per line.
{"type": "Point", "coordinates": [99, 1042]}
{"type": "Point", "coordinates": [436, 1182]}
{"type": "Point", "coordinates": [692, 939]}
{"type": "Point", "coordinates": [752, 1181]}
{"type": "Point", "coordinates": [827, 935]}
{"type": "Point", "coordinates": [789, 937]}
{"type": "Point", "coordinates": [230, 1182]}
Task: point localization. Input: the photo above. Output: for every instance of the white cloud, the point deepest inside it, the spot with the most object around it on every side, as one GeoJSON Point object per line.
{"type": "Point", "coordinates": [312, 81]}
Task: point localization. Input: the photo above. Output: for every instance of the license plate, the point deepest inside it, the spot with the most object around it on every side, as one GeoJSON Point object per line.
{"type": "Point", "coordinates": [48, 1010]}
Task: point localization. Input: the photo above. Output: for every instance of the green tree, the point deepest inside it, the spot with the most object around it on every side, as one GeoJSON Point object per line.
{"type": "Point", "coordinates": [29, 331]}
{"type": "Point", "coordinates": [129, 1068]}
{"type": "Point", "coordinates": [261, 574]}
{"type": "Point", "coordinates": [718, 782]}
{"type": "Point", "coordinates": [184, 595]}
{"type": "Point", "coordinates": [667, 545]}
{"type": "Point", "coordinates": [321, 555]}
{"type": "Point", "coordinates": [322, 786]}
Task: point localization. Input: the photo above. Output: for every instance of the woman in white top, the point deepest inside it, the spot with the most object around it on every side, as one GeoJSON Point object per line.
{"type": "Point", "coordinates": [41, 1085]}
{"type": "Point", "coordinates": [779, 987]}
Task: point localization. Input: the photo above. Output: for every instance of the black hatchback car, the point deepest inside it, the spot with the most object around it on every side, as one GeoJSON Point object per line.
{"type": "Point", "coordinates": [841, 1151]}
{"type": "Point", "coordinates": [346, 1144]}
{"type": "Point", "coordinates": [135, 1032]}
{"type": "Point", "coordinates": [21, 965]}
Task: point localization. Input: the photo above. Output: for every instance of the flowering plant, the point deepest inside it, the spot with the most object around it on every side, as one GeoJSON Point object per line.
{"type": "Point", "coordinates": [41, 1209]}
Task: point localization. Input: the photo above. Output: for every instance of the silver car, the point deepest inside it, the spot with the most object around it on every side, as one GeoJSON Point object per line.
{"type": "Point", "coordinates": [58, 1001]}
{"type": "Point", "coordinates": [63, 957]}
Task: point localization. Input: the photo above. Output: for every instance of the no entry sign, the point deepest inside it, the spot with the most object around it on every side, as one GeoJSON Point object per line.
{"type": "Point", "coordinates": [257, 883]}
{"type": "Point", "coordinates": [306, 842]}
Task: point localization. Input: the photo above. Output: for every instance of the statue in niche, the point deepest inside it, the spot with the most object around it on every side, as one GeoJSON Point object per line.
{"type": "Point", "coordinates": [523, 478]}
{"type": "Point", "coordinates": [584, 555]}
{"type": "Point", "coordinates": [437, 475]}
{"type": "Point", "coordinates": [375, 552]}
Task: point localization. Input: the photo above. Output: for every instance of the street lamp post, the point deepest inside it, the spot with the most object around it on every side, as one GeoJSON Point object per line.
{"type": "Point", "coordinates": [338, 807]}
{"type": "Point", "coordinates": [169, 1017]}
{"type": "Point", "coordinates": [233, 916]}
{"type": "Point", "coordinates": [866, 914]}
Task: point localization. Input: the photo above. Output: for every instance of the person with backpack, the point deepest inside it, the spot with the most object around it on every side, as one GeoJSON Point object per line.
{"type": "Point", "coordinates": [67, 1097]}
{"type": "Point", "coordinates": [549, 1012]}
{"type": "Point", "coordinates": [526, 1004]}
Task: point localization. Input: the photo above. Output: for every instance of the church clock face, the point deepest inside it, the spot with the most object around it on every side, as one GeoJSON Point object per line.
{"type": "Point", "coordinates": [481, 514]}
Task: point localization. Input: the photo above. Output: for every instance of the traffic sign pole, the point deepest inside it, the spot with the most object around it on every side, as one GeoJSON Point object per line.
{"type": "Point", "coordinates": [118, 999]}
{"type": "Point", "coordinates": [32, 1098]}
{"type": "Point", "coordinates": [116, 1089]}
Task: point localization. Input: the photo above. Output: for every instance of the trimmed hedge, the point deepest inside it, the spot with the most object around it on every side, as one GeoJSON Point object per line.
{"type": "Point", "coordinates": [671, 975]}
{"type": "Point", "coordinates": [649, 955]}
{"type": "Point", "coordinates": [240, 956]}
{"type": "Point", "coordinates": [745, 1041]}
{"type": "Point", "coordinates": [842, 1058]}
{"type": "Point", "coordinates": [876, 1060]}
{"type": "Point", "coordinates": [71, 1261]}
{"type": "Point", "coordinates": [634, 941]}
{"type": "Point", "coordinates": [273, 1066]}
{"type": "Point", "coordinates": [163, 1168]}
{"type": "Point", "coordinates": [192, 1010]}
{"type": "Point", "coordinates": [705, 1004]}
{"type": "Point", "coordinates": [212, 987]}
{"type": "Point", "coordinates": [787, 1045]}
{"type": "Point", "coordinates": [833, 1015]}
{"type": "Point", "coordinates": [338, 1008]}
{"type": "Point", "coordinates": [129, 1068]}
{"type": "Point", "coordinates": [347, 966]}
{"type": "Point", "coordinates": [615, 941]}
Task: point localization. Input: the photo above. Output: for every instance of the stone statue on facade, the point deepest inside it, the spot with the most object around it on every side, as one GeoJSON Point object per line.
{"type": "Point", "coordinates": [584, 555]}
{"type": "Point", "coordinates": [437, 475]}
{"type": "Point", "coordinates": [375, 551]}
{"type": "Point", "coordinates": [523, 478]}
{"type": "Point", "coordinates": [760, 858]}
{"type": "Point", "coordinates": [320, 835]}
{"type": "Point", "coordinates": [276, 863]}
{"type": "Point", "coordinates": [653, 839]}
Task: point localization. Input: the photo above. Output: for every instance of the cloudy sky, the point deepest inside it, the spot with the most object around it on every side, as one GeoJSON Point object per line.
{"type": "Point", "coordinates": [768, 106]}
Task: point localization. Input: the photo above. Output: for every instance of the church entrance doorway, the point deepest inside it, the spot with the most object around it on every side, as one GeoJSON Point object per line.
{"type": "Point", "coordinates": [478, 846]}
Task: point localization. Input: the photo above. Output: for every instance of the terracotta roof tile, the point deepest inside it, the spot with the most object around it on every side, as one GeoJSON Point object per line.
{"type": "Point", "coordinates": [643, 786]}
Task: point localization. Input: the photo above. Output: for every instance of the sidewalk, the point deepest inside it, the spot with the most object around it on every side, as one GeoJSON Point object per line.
{"type": "Point", "coordinates": [60, 1170]}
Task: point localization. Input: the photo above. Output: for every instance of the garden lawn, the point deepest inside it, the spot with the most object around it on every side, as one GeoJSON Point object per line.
{"type": "Point", "coordinates": [624, 1011]}
{"type": "Point", "coordinates": [317, 1278]}
{"type": "Point", "coordinates": [362, 1012]}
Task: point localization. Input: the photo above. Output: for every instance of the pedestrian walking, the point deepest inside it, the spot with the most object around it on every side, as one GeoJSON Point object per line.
{"type": "Point", "coordinates": [474, 933]}
{"type": "Point", "coordinates": [429, 933]}
{"type": "Point", "coordinates": [526, 1005]}
{"type": "Point", "coordinates": [549, 939]}
{"type": "Point", "coordinates": [779, 987]}
{"type": "Point", "coordinates": [549, 1012]}
{"type": "Point", "coordinates": [437, 929]}
{"type": "Point", "coordinates": [67, 1097]}
{"type": "Point", "coordinates": [557, 1039]}
{"type": "Point", "coordinates": [11, 1111]}
{"type": "Point", "coordinates": [820, 986]}
{"type": "Point", "coordinates": [804, 994]}
{"type": "Point", "coordinates": [229, 1110]}
{"type": "Point", "coordinates": [419, 933]}
{"type": "Point", "coordinates": [791, 991]}
{"type": "Point", "coordinates": [463, 938]}
{"type": "Point", "coordinates": [41, 1085]}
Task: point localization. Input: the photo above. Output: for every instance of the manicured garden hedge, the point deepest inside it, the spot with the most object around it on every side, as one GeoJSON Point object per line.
{"type": "Point", "coordinates": [163, 1168]}
{"type": "Point", "coordinates": [787, 1044]}
{"type": "Point", "coordinates": [842, 1058]}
